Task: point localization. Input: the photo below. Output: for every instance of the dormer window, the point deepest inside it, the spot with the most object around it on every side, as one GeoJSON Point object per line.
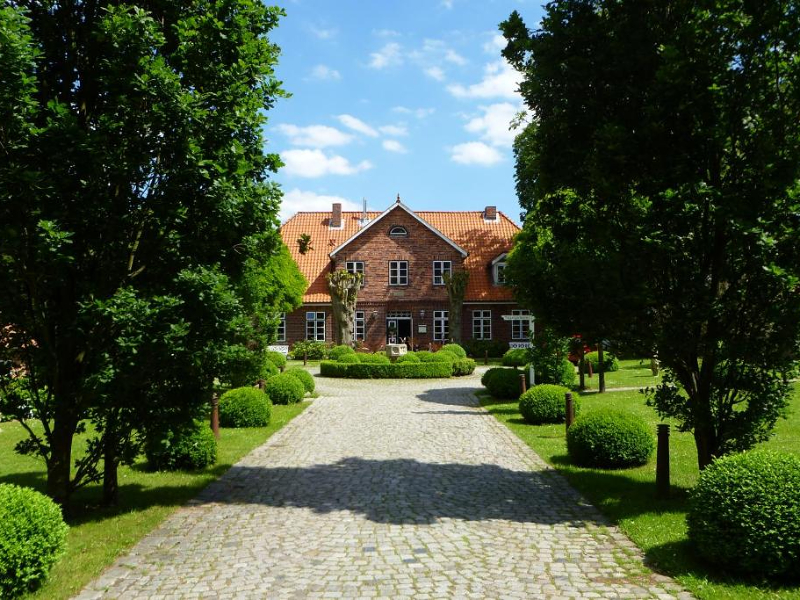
{"type": "Point", "coordinates": [499, 270]}
{"type": "Point", "coordinates": [398, 231]}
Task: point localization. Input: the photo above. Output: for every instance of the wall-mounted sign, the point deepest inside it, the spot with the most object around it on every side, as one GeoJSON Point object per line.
{"type": "Point", "coordinates": [422, 329]}
{"type": "Point", "coordinates": [283, 349]}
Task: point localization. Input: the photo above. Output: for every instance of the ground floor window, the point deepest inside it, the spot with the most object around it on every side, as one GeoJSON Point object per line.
{"type": "Point", "coordinates": [359, 326]}
{"type": "Point", "coordinates": [441, 325]}
{"type": "Point", "coordinates": [282, 328]}
{"type": "Point", "coordinates": [520, 330]}
{"type": "Point", "coordinates": [481, 324]}
{"type": "Point", "coordinates": [315, 326]}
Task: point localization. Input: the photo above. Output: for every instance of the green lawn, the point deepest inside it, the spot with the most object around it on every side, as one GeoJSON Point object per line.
{"type": "Point", "coordinates": [627, 497]}
{"type": "Point", "coordinates": [98, 535]}
{"type": "Point", "coordinates": [632, 373]}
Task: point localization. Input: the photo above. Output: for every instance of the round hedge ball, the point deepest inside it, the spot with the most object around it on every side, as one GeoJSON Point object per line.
{"type": "Point", "coordinates": [191, 446]}
{"type": "Point", "coordinates": [349, 359]}
{"type": "Point", "coordinates": [516, 357]}
{"type": "Point", "coordinates": [268, 369]}
{"type": "Point", "coordinates": [409, 357]}
{"type": "Point", "coordinates": [244, 407]}
{"type": "Point", "coordinates": [744, 513]}
{"type": "Point", "coordinates": [374, 359]}
{"type": "Point", "coordinates": [277, 359]}
{"type": "Point", "coordinates": [545, 404]}
{"type": "Point", "coordinates": [337, 352]}
{"type": "Point", "coordinates": [609, 439]}
{"type": "Point", "coordinates": [32, 538]}
{"type": "Point", "coordinates": [454, 349]}
{"type": "Point", "coordinates": [304, 377]}
{"type": "Point", "coordinates": [285, 389]}
{"type": "Point", "coordinates": [502, 383]}
{"type": "Point", "coordinates": [610, 362]}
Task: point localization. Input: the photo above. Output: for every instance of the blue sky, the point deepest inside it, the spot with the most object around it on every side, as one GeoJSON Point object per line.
{"type": "Point", "coordinates": [406, 97]}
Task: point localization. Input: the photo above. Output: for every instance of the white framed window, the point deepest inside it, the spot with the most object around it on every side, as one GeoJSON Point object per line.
{"type": "Point", "coordinates": [315, 326]}
{"type": "Point", "coordinates": [398, 231]}
{"type": "Point", "coordinates": [441, 325]}
{"type": "Point", "coordinates": [520, 330]}
{"type": "Point", "coordinates": [440, 267]}
{"type": "Point", "coordinates": [398, 272]}
{"type": "Point", "coordinates": [282, 328]}
{"type": "Point", "coordinates": [359, 326]}
{"type": "Point", "coordinates": [356, 266]}
{"type": "Point", "coordinates": [481, 324]}
{"type": "Point", "coordinates": [500, 273]}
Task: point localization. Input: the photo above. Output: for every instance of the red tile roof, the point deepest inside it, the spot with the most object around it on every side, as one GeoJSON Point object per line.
{"type": "Point", "coordinates": [484, 242]}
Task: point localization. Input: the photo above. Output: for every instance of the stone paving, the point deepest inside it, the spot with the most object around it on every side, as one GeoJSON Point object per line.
{"type": "Point", "coordinates": [387, 490]}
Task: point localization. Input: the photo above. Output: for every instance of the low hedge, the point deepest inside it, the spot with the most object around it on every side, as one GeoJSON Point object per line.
{"type": "Point", "coordinates": [398, 370]}
{"type": "Point", "coordinates": [409, 357]}
{"type": "Point", "coordinates": [350, 358]}
{"type": "Point", "coordinates": [463, 366]}
{"type": "Point", "coordinates": [502, 383]}
{"type": "Point", "coordinates": [304, 377]}
{"type": "Point", "coordinates": [277, 359]}
{"type": "Point", "coordinates": [744, 513]}
{"type": "Point", "coordinates": [609, 439]}
{"type": "Point", "coordinates": [191, 446]}
{"type": "Point", "coordinates": [379, 359]}
{"type": "Point", "coordinates": [545, 404]}
{"type": "Point", "coordinates": [455, 349]}
{"type": "Point", "coordinates": [610, 362]}
{"type": "Point", "coordinates": [285, 389]}
{"type": "Point", "coordinates": [516, 357]}
{"type": "Point", "coordinates": [435, 357]}
{"type": "Point", "coordinates": [244, 407]}
{"type": "Point", "coordinates": [32, 538]}
{"type": "Point", "coordinates": [337, 352]}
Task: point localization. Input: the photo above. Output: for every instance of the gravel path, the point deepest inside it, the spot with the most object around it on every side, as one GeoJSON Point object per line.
{"type": "Point", "coordinates": [387, 489]}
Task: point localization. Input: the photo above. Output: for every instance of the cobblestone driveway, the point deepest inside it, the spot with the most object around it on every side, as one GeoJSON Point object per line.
{"type": "Point", "coordinates": [391, 490]}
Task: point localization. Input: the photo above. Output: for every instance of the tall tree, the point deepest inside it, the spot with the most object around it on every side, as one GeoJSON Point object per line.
{"type": "Point", "coordinates": [456, 285]}
{"type": "Point", "coordinates": [135, 208]}
{"type": "Point", "coordinates": [344, 287]}
{"type": "Point", "coordinates": [662, 159]}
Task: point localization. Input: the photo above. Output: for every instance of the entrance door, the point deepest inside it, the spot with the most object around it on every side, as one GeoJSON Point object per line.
{"type": "Point", "coordinates": [398, 327]}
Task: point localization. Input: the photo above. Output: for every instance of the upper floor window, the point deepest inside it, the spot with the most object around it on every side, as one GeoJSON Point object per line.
{"type": "Point", "coordinates": [500, 273]}
{"type": "Point", "coordinates": [440, 267]}
{"type": "Point", "coordinates": [520, 329]}
{"type": "Point", "coordinates": [398, 231]}
{"type": "Point", "coordinates": [355, 266]}
{"type": "Point", "coordinates": [315, 326]}
{"type": "Point", "coordinates": [398, 272]}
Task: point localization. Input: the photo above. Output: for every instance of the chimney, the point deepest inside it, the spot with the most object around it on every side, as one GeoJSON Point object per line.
{"type": "Point", "coordinates": [336, 216]}
{"type": "Point", "coordinates": [490, 213]}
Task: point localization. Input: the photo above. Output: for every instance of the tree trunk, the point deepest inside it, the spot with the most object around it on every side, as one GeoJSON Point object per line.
{"type": "Point", "coordinates": [456, 285]}
{"type": "Point", "coordinates": [454, 322]}
{"type": "Point", "coordinates": [344, 320]}
{"type": "Point", "coordinates": [60, 461]}
{"type": "Point", "coordinates": [601, 371]}
{"type": "Point", "coordinates": [344, 288]}
{"type": "Point", "coordinates": [706, 443]}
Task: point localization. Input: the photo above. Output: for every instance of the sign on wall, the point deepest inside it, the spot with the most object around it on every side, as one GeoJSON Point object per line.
{"type": "Point", "coordinates": [282, 348]}
{"type": "Point", "coordinates": [514, 345]}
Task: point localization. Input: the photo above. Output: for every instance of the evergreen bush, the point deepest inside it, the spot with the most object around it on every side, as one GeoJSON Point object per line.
{"type": "Point", "coordinates": [609, 439]}
{"type": "Point", "coordinates": [744, 513]}
{"type": "Point", "coordinates": [455, 349]}
{"type": "Point", "coordinates": [285, 389]}
{"type": "Point", "coordinates": [268, 369]}
{"type": "Point", "coordinates": [312, 349]}
{"type": "Point", "coordinates": [349, 358]}
{"type": "Point", "coordinates": [516, 357]}
{"type": "Point", "coordinates": [429, 357]}
{"type": "Point", "coordinates": [380, 359]}
{"type": "Point", "coordinates": [32, 538]}
{"type": "Point", "coordinates": [277, 359]}
{"type": "Point", "coordinates": [409, 357]}
{"type": "Point", "coordinates": [552, 373]}
{"type": "Point", "coordinates": [397, 370]}
{"type": "Point", "coordinates": [304, 377]}
{"type": "Point", "coordinates": [502, 383]}
{"type": "Point", "coordinates": [191, 446]}
{"type": "Point", "coordinates": [463, 366]}
{"type": "Point", "coordinates": [337, 352]}
{"type": "Point", "coordinates": [244, 407]}
{"type": "Point", "coordinates": [610, 362]}
{"type": "Point", "coordinates": [545, 404]}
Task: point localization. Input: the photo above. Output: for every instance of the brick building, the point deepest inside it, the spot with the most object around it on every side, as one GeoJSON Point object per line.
{"type": "Point", "coordinates": [403, 255]}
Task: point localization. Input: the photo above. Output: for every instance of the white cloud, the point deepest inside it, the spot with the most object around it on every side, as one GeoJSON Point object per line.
{"type": "Point", "coordinates": [420, 113]}
{"type": "Point", "coordinates": [475, 153]}
{"type": "Point", "coordinates": [358, 125]}
{"type": "Point", "coordinates": [386, 33]}
{"type": "Point", "coordinates": [448, 4]}
{"type": "Point", "coordinates": [394, 146]}
{"type": "Point", "coordinates": [493, 124]}
{"type": "Point", "coordinates": [297, 200]}
{"type": "Point", "coordinates": [325, 73]}
{"type": "Point", "coordinates": [324, 34]}
{"type": "Point", "coordinates": [315, 163]}
{"type": "Point", "coordinates": [316, 136]}
{"type": "Point", "coordinates": [388, 56]}
{"type": "Point", "coordinates": [495, 44]}
{"type": "Point", "coordinates": [454, 57]}
{"type": "Point", "coordinates": [500, 80]}
{"type": "Point", "coordinates": [435, 73]}
{"type": "Point", "coordinates": [396, 130]}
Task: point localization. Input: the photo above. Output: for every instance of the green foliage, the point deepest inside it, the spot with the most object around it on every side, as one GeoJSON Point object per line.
{"type": "Point", "coordinates": [455, 349]}
{"type": "Point", "coordinates": [549, 358]}
{"type": "Point", "coordinates": [32, 538]}
{"type": "Point", "coordinates": [398, 370]}
{"type": "Point", "coordinates": [610, 362]}
{"type": "Point", "coordinates": [516, 357]}
{"type": "Point", "coordinates": [313, 350]}
{"type": "Point", "coordinates": [745, 513]}
{"type": "Point", "coordinates": [304, 377]}
{"type": "Point", "coordinates": [502, 383]}
{"type": "Point", "coordinates": [478, 348]}
{"type": "Point", "coordinates": [350, 358]}
{"type": "Point", "coordinates": [545, 404]}
{"type": "Point", "coordinates": [285, 389]}
{"type": "Point", "coordinates": [244, 407]}
{"type": "Point", "coordinates": [565, 375]}
{"type": "Point", "coordinates": [377, 358]}
{"type": "Point", "coordinates": [187, 447]}
{"type": "Point", "coordinates": [268, 369]}
{"type": "Point", "coordinates": [609, 439]}
{"type": "Point", "coordinates": [625, 236]}
{"type": "Point", "coordinates": [463, 366]}
{"type": "Point", "coordinates": [408, 357]}
{"type": "Point", "coordinates": [337, 352]}
{"type": "Point", "coordinates": [428, 357]}
{"type": "Point", "coordinates": [277, 359]}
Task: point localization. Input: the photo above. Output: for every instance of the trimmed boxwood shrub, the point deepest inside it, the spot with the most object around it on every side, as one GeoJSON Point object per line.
{"type": "Point", "coordinates": [268, 369]}
{"type": "Point", "coordinates": [610, 362]}
{"type": "Point", "coordinates": [463, 366]}
{"type": "Point", "coordinates": [285, 389]}
{"type": "Point", "coordinates": [479, 348]}
{"type": "Point", "coordinates": [432, 357]}
{"type": "Point", "coordinates": [304, 377]}
{"type": "Point", "coordinates": [380, 359]}
{"type": "Point", "coordinates": [502, 383]}
{"type": "Point", "coordinates": [337, 352]}
{"type": "Point", "coordinates": [349, 358]}
{"type": "Point", "coordinates": [315, 350]}
{"type": "Point", "coordinates": [409, 357]}
{"type": "Point", "coordinates": [398, 370]}
{"type": "Point", "coordinates": [191, 446]}
{"type": "Point", "coordinates": [565, 375]}
{"type": "Point", "coordinates": [244, 407]}
{"type": "Point", "coordinates": [516, 357]}
{"type": "Point", "coordinates": [545, 404]}
{"type": "Point", "coordinates": [277, 359]}
{"type": "Point", "coordinates": [609, 439]}
{"type": "Point", "coordinates": [454, 349]}
{"type": "Point", "coordinates": [744, 513]}
{"type": "Point", "coordinates": [32, 538]}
